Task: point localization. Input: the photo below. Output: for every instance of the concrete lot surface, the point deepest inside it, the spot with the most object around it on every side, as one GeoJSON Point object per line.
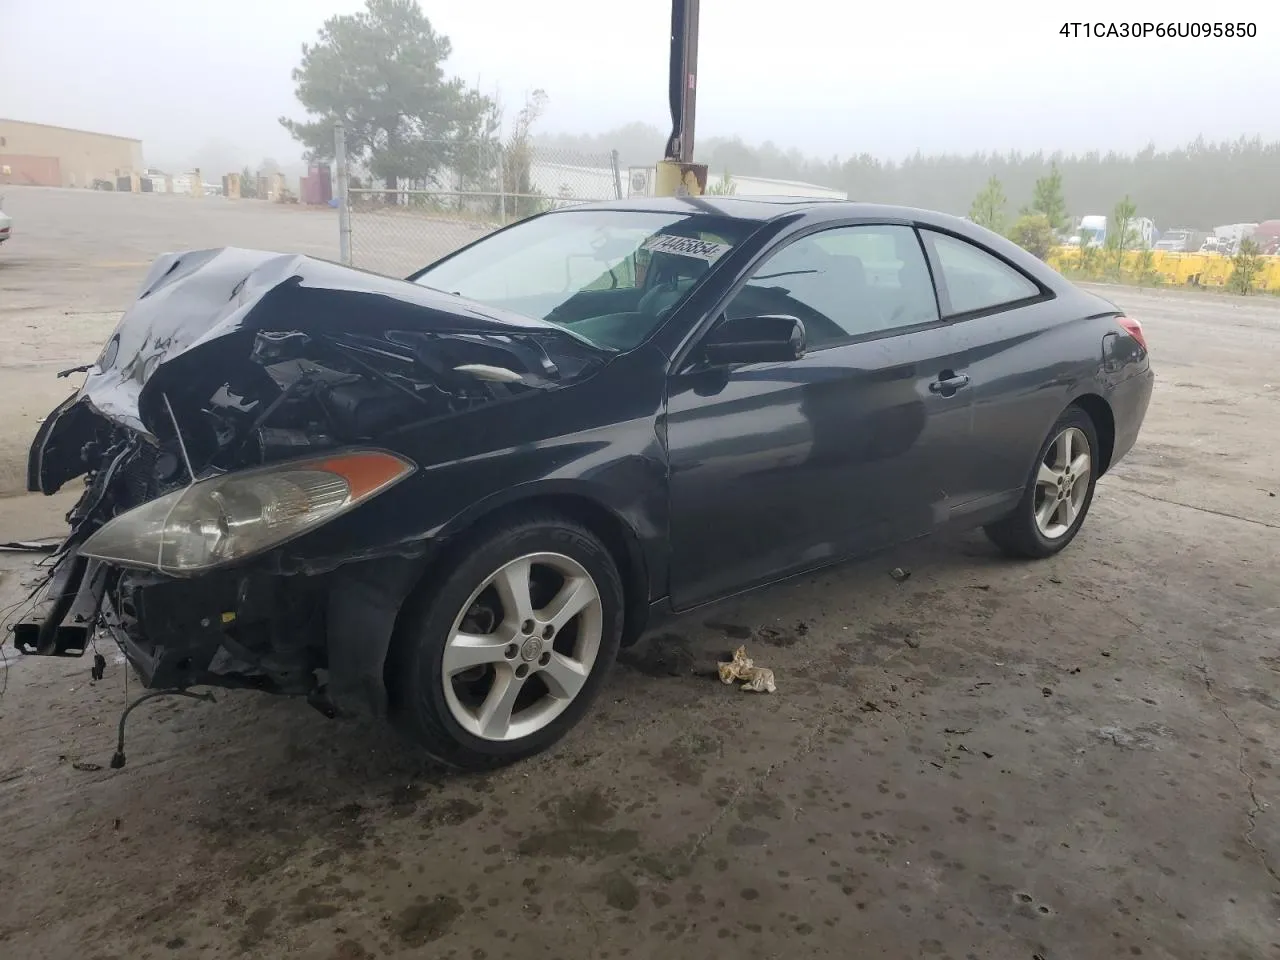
{"type": "Point", "coordinates": [1068, 759]}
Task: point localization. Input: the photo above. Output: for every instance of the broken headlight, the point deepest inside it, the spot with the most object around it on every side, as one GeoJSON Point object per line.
{"type": "Point", "coordinates": [231, 517]}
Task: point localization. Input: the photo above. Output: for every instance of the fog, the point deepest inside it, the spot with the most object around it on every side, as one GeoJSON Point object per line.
{"type": "Point", "coordinates": [207, 82]}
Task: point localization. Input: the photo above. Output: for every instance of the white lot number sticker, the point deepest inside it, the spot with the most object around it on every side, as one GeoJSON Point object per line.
{"type": "Point", "coordinates": [686, 247]}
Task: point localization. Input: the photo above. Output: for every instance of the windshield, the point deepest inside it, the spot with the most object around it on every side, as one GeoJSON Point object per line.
{"type": "Point", "coordinates": [610, 276]}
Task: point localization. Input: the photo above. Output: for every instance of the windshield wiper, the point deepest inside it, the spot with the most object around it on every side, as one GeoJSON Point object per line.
{"type": "Point", "coordinates": [447, 293]}
{"type": "Point", "coordinates": [784, 273]}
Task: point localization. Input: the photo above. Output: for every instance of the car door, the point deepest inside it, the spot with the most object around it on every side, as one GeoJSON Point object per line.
{"type": "Point", "coordinates": [1004, 325]}
{"type": "Point", "coordinates": [778, 467]}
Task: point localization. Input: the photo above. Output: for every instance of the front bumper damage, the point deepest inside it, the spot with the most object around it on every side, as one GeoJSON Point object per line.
{"type": "Point", "coordinates": [232, 359]}
{"type": "Point", "coordinates": [323, 637]}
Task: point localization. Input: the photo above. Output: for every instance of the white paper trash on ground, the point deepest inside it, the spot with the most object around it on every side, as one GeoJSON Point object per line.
{"type": "Point", "coordinates": [741, 667]}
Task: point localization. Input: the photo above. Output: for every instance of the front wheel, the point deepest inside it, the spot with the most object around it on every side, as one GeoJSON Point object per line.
{"type": "Point", "coordinates": [1058, 493]}
{"type": "Point", "coordinates": [505, 654]}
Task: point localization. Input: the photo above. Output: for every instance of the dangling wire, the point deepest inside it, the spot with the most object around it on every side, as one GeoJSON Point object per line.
{"type": "Point", "coordinates": [117, 760]}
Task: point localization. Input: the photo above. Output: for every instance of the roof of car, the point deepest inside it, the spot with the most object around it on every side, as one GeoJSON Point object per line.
{"type": "Point", "coordinates": [764, 208]}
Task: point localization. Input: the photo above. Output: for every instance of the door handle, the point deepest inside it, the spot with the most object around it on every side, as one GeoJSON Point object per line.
{"type": "Point", "coordinates": [949, 384]}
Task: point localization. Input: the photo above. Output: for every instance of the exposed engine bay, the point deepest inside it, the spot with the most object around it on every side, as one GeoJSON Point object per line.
{"type": "Point", "coordinates": [227, 363]}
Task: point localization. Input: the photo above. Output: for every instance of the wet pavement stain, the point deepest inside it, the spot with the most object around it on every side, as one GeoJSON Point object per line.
{"type": "Point", "coordinates": [426, 920]}
{"type": "Point", "coordinates": [580, 817]}
{"type": "Point", "coordinates": [619, 892]}
{"type": "Point", "coordinates": [451, 813]}
{"type": "Point", "coordinates": [740, 836]}
{"type": "Point", "coordinates": [734, 631]}
{"type": "Point", "coordinates": [685, 759]}
{"type": "Point", "coordinates": [776, 638]}
{"type": "Point", "coordinates": [256, 927]}
{"type": "Point", "coordinates": [763, 805]}
{"type": "Point", "coordinates": [351, 950]}
{"type": "Point", "coordinates": [579, 843]}
{"type": "Point", "coordinates": [666, 655]}
{"type": "Point", "coordinates": [590, 807]}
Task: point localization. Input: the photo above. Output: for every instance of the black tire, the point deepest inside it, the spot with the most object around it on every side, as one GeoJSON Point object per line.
{"type": "Point", "coordinates": [419, 707]}
{"type": "Point", "coordinates": [1018, 534]}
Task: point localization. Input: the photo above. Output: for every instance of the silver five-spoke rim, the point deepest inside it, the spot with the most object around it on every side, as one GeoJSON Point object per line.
{"type": "Point", "coordinates": [1062, 483]}
{"type": "Point", "coordinates": [522, 647]}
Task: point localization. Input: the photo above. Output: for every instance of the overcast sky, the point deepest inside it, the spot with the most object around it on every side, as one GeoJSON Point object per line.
{"type": "Point", "coordinates": [820, 75]}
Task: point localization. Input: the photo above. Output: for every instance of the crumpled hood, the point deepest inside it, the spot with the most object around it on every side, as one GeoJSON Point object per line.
{"type": "Point", "coordinates": [192, 299]}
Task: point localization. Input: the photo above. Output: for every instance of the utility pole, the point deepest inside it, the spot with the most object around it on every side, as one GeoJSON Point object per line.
{"type": "Point", "coordinates": [678, 175]}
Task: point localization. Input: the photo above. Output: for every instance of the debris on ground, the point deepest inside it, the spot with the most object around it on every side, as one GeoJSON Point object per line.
{"type": "Point", "coordinates": [776, 638]}
{"type": "Point", "coordinates": [85, 766]}
{"type": "Point", "coordinates": [29, 546]}
{"type": "Point", "coordinates": [899, 574]}
{"type": "Point", "coordinates": [734, 630]}
{"type": "Point", "coordinates": [741, 667]}
{"type": "Point", "coordinates": [912, 642]}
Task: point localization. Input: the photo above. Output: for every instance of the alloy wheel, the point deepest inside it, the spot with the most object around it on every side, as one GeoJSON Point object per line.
{"type": "Point", "coordinates": [1062, 483]}
{"type": "Point", "coordinates": [522, 647]}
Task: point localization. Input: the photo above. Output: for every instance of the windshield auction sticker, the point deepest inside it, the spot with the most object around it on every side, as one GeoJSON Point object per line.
{"type": "Point", "coordinates": [686, 247]}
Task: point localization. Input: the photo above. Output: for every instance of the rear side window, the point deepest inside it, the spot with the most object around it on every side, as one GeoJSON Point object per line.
{"type": "Point", "coordinates": [974, 279]}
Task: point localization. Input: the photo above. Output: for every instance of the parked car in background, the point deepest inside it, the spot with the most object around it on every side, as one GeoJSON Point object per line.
{"type": "Point", "coordinates": [1178, 240]}
{"type": "Point", "coordinates": [450, 499]}
{"type": "Point", "coordinates": [6, 223]}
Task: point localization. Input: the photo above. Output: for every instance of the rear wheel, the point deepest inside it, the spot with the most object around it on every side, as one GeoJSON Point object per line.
{"type": "Point", "coordinates": [507, 652]}
{"type": "Point", "coordinates": [1058, 493]}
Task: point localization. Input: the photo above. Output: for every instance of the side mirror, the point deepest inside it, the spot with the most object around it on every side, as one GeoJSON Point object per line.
{"type": "Point", "coordinates": [768, 339]}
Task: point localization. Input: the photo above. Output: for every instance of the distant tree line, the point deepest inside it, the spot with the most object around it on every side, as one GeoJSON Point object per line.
{"type": "Point", "coordinates": [1199, 185]}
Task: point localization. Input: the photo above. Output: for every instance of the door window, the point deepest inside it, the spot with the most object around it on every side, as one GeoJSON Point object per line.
{"type": "Point", "coordinates": [844, 283]}
{"type": "Point", "coordinates": [976, 280]}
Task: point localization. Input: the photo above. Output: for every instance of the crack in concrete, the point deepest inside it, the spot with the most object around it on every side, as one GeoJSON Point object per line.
{"type": "Point", "coordinates": [591, 922]}
{"type": "Point", "coordinates": [1191, 506]}
{"type": "Point", "coordinates": [758, 782]}
{"type": "Point", "coordinates": [1250, 783]}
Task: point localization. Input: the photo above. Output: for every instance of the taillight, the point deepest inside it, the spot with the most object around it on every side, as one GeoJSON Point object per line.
{"type": "Point", "coordinates": [1134, 329]}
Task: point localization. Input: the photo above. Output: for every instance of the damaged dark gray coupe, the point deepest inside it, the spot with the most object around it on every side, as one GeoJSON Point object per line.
{"type": "Point", "coordinates": [450, 499]}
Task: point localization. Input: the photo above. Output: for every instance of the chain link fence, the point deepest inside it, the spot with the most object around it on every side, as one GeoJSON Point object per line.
{"type": "Point", "coordinates": [475, 187]}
